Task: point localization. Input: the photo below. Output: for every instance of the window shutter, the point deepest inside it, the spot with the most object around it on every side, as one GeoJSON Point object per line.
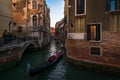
{"type": "Point", "coordinates": [107, 5]}
{"type": "Point", "coordinates": [80, 7]}
{"type": "Point", "coordinates": [116, 5]}
{"type": "Point", "coordinates": [88, 33]}
{"type": "Point", "coordinates": [119, 4]}
{"type": "Point", "coordinates": [97, 32]}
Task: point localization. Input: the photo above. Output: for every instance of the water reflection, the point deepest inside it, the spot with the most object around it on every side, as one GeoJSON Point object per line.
{"type": "Point", "coordinates": [62, 70]}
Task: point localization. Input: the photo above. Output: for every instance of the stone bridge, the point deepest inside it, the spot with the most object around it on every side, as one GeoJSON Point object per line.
{"type": "Point", "coordinates": [12, 52]}
{"type": "Point", "coordinates": [28, 45]}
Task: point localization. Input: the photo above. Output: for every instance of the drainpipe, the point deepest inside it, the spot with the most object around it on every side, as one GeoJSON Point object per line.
{"type": "Point", "coordinates": [27, 16]}
{"type": "Point", "coordinates": [67, 1]}
{"type": "Point", "coordinates": [68, 6]}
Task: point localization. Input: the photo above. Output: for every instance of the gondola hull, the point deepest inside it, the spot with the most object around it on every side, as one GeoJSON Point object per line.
{"type": "Point", "coordinates": [45, 65]}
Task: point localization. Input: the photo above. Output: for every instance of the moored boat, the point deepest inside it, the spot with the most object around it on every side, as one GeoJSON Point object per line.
{"type": "Point", "coordinates": [49, 62]}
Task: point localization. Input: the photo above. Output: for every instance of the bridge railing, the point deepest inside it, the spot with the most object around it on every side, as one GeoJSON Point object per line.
{"type": "Point", "coordinates": [15, 41]}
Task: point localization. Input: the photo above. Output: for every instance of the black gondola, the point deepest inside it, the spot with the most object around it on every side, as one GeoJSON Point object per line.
{"type": "Point", "coordinates": [51, 60]}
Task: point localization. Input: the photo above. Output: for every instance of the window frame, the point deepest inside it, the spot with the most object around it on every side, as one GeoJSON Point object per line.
{"type": "Point", "coordinates": [84, 9]}
{"type": "Point", "coordinates": [34, 4]}
{"type": "Point", "coordinates": [113, 7]}
{"type": "Point", "coordinates": [34, 20]}
{"type": "Point", "coordinates": [96, 33]}
{"type": "Point", "coordinates": [116, 6]}
{"type": "Point", "coordinates": [101, 52]}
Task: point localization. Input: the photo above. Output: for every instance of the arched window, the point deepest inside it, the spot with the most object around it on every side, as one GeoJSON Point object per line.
{"type": "Point", "coordinates": [35, 21]}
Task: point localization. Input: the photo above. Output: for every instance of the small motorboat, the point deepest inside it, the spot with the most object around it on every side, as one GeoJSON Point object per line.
{"type": "Point", "coordinates": [49, 62]}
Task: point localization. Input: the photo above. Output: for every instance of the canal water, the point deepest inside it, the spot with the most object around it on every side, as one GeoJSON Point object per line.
{"type": "Point", "coordinates": [62, 70]}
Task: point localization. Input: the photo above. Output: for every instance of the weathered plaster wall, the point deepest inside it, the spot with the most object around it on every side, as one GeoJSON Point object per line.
{"type": "Point", "coordinates": [5, 15]}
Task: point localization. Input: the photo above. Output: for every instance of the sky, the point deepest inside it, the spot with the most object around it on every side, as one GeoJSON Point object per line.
{"type": "Point", "coordinates": [56, 10]}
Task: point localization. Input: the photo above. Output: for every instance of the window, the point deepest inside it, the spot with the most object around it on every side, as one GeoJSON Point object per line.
{"type": "Point", "coordinates": [34, 4]}
{"type": "Point", "coordinates": [39, 7]}
{"type": "Point", "coordinates": [80, 7]}
{"type": "Point", "coordinates": [20, 29]}
{"type": "Point", "coordinates": [95, 51]}
{"type": "Point", "coordinates": [34, 21]}
{"type": "Point", "coordinates": [113, 5]}
{"type": "Point", "coordinates": [19, 5]}
{"type": "Point", "coordinates": [40, 0]}
{"type": "Point", "coordinates": [94, 32]}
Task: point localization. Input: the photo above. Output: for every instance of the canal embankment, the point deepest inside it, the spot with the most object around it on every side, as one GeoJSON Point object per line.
{"type": "Point", "coordinates": [62, 70]}
{"type": "Point", "coordinates": [74, 57]}
{"type": "Point", "coordinates": [9, 59]}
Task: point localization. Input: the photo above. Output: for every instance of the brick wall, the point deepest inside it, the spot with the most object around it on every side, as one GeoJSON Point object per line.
{"type": "Point", "coordinates": [110, 46]}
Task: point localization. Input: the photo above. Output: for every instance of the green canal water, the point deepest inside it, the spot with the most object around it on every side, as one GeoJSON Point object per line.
{"type": "Point", "coordinates": [62, 70]}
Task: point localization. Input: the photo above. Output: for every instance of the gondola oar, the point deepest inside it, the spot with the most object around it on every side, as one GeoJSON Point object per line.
{"type": "Point", "coordinates": [27, 70]}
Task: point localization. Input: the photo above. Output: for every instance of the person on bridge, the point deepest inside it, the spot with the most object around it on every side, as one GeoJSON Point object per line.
{"type": "Point", "coordinates": [5, 36]}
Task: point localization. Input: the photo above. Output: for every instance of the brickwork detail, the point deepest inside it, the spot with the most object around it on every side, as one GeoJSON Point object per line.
{"type": "Point", "coordinates": [110, 45]}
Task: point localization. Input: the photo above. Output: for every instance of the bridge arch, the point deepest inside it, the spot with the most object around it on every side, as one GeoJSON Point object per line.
{"type": "Point", "coordinates": [28, 45]}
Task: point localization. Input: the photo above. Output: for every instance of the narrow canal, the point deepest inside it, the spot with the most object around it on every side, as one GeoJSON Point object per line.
{"type": "Point", "coordinates": [62, 70]}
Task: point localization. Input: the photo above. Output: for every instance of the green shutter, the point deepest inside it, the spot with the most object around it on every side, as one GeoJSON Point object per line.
{"type": "Point", "coordinates": [88, 32]}
{"type": "Point", "coordinates": [98, 32]}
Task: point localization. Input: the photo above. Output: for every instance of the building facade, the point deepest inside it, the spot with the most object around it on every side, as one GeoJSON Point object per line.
{"type": "Point", "coordinates": [93, 31]}
{"type": "Point", "coordinates": [30, 16]}
{"type": "Point", "coordinates": [52, 32]}
{"type": "Point", "coordinates": [5, 16]}
{"type": "Point", "coordinates": [46, 30]}
{"type": "Point", "coordinates": [37, 20]}
{"type": "Point", "coordinates": [59, 30]}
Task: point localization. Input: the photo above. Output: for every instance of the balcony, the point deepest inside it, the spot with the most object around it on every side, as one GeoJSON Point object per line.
{"type": "Point", "coordinates": [36, 29]}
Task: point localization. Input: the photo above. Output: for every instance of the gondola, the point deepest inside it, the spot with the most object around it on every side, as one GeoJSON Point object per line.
{"type": "Point", "coordinates": [45, 65]}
